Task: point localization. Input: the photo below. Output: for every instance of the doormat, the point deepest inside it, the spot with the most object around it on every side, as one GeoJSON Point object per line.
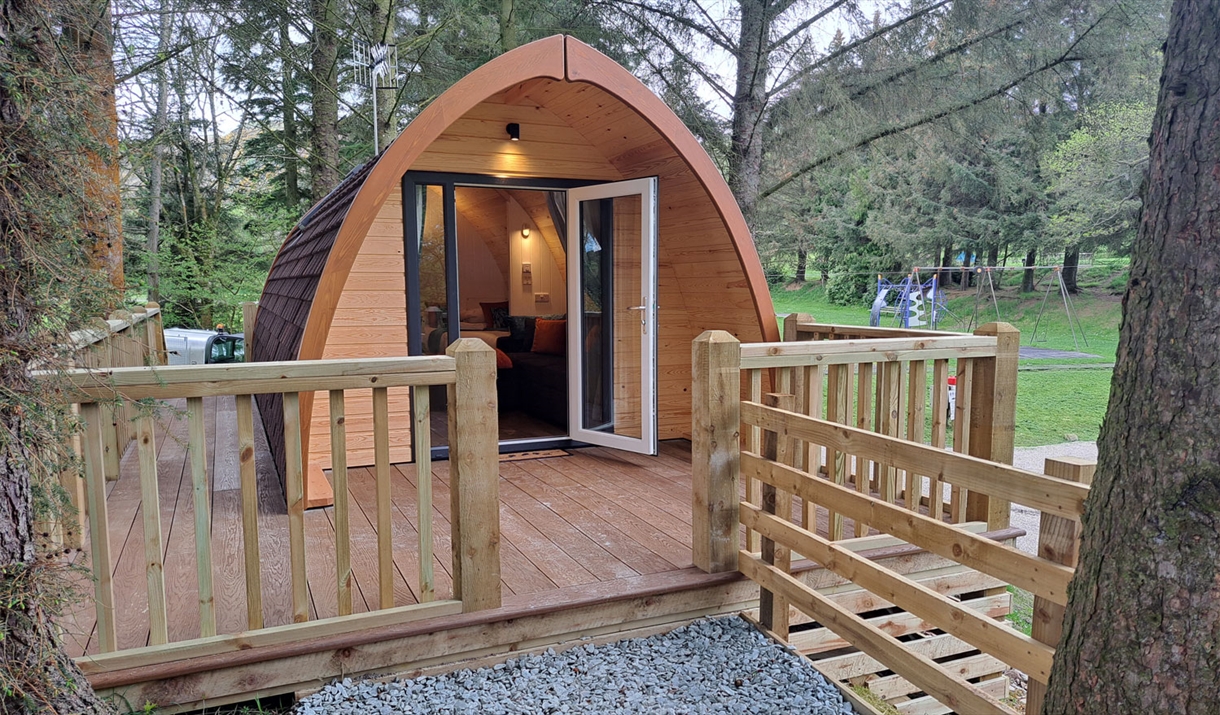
{"type": "Point", "coordinates": [537, 454]}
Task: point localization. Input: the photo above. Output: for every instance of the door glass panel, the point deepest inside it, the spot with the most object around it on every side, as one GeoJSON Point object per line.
{"type": "Point", "coordinates": [611, 250]}
{"type": "Point", "coordinates": [433, 293]}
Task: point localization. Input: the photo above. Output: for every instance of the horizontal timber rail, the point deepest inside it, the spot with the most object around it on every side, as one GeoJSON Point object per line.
{"type": "Point", "coordinates": [468, 372]}
{"type": "Point", "coordinates": [1060, 498]}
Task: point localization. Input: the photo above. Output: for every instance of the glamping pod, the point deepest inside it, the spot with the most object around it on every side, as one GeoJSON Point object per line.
{"type": "Point", "coordinates": [550, 204]}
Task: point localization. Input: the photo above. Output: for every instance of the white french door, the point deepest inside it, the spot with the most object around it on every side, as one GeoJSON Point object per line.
{"type": "Point", "coordinates": [612, 314]}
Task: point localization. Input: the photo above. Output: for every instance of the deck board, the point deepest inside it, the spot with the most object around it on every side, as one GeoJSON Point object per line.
{"type": "Point", "coordinates": [592, 518]}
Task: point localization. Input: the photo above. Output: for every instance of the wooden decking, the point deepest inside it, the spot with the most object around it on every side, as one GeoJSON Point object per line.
{"type": "Point", "coordinates": [589, 517]}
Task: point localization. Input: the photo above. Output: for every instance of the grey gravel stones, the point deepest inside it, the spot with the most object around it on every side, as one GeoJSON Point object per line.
{"type": "Point", "coordinates": [718, 665]}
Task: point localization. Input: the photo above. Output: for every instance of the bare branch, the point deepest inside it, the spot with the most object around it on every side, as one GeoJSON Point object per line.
{"type": "Point", "coordinates": [797, 76]}
{"type": "Point", "coordinates": [1068, 55]}
{"type": "Point", "coordinates": [805, 25]}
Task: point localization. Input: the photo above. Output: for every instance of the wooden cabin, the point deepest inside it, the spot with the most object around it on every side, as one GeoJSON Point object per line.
{"type": "Point", "coordinates": [558, 210]}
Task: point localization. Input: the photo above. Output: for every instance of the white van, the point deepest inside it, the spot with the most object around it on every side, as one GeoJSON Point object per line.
{"type": "Point", "coordinates": [187, 346]}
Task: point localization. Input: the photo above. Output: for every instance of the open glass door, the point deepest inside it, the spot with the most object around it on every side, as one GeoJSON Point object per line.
{"type": "Point", "coordinates": [612, 314]}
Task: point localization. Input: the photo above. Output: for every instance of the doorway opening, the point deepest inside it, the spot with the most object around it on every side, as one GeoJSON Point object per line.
{"type": "Point", "coordinates": [567, 305]}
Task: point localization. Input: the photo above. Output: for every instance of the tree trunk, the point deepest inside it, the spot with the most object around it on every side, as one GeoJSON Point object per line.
{"type": "Point", "coordinates": [1143, 616]}
{"type": "Point", "coordinates": [508, 25]}
{"type": "Point", "coordinates": [324, 134]}
{"type": "Point", "coordinates": [156, 165]}
{"type": "Point", "coordinates": [88, 25]}
{"type": "Point", "coordinates": [966, 274]}
{"type": "Point", "coordinates": [292, 190]}
{"type": "Point", "coordinates": [802, 264]}
{"type": "Point", "coordinates": [993, 257]}
{"type": "Point", "coordinates": [1027, 276]}
{"type": "Point", "coordinates": [1071, 262]}
{"type": "Point", "coordinates": [944, 275]}
{"type": "Point", "coordinates": [749, 103]}
{"type": "Point", "coordinates": [47, 121]}
{"type": "Point", "coordinates": [381, 19]}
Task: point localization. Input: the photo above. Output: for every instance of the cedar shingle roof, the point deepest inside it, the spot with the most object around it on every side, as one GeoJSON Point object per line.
{"type": "Point", "coordinates": [288, 293]}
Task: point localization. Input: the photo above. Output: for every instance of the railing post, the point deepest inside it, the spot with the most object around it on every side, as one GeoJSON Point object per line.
{"type": "Point", "coordinates": [156, 336]}
{"type": "Point", "coordinates": [249, 317]}
{"type": "Point", "coordinates": [1058, 541]}
{"type": "Point", "coordinates": [791, 321]}
{"type": "Point", "coordinates": [993, 416]}
{"type": "Point", "coordinates": [474, 475]}
{"type": "Point", "coordinates": [715, 450]}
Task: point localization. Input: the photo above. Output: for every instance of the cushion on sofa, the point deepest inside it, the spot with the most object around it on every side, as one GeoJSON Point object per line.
{"type": "Point", "coordinates": [550, 337]}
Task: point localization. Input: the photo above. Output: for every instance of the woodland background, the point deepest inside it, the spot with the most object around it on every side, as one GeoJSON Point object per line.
{"type": "Point", "coordinates": [859, 137]}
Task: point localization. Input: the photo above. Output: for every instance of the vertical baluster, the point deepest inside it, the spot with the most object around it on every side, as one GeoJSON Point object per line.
{"type": "Point", "coordinates": [838, 409]}
{"type": "Point", "coordinates": [961, 434]}
{"type": "Point", "coordinates": [249, 511]}
{"type": "Point", "coordinates": [814, 388]}
{"type": "Point", "coordinates": [200, 495]}
{"type": "Point", "coordinates": [74, 525]}
{"type": "Point", "coordinates": [385, 525]}
{"type": "Point", "coordinates": [99, 527]}
{"type": "Point", "coordinates": [753, 486]}
{"type": "Point", "coordinates": [150, 505]}
{"type": "Point", "coordinates": [891, 379]}
{"type": "Point", "coordinates": [940, 421]}
{"type": "Point", "coordinates": [917, 395]}
{"type": "Point", "coordinates": [338, 467]}
{"type": "Point", "coordinates": [294, 488]}
{"type": "Point", "coordinates": [110, 441]}
{"type": "Point", "coordinates": [422, 443]}
{"type": "Point", "coordinates": [864, 415]}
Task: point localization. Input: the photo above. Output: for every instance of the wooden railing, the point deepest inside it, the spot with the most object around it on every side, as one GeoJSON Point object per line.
{"type": "Point", "coordinates": [871, 379]}
{"type": "Point", "coordinates": [126, 339]}
{"type": "Point", "coordinates": [1060, 498]}
{"type": "Point", "coordinates": [468, 371]}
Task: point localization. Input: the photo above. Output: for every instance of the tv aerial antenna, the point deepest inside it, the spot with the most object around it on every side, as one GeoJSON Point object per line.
{"type": "Point", "coordinates": [376, 66]}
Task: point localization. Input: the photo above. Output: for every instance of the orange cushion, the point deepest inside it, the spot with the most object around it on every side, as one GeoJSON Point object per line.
{"type": "Point", "coordinates": [550, 336]}
{"type": "Point", "coordinates": [503, 361]}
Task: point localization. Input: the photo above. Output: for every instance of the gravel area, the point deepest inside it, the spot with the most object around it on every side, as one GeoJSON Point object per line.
{"type": "Point", "coordinates": [1034, 459]}
{"type": "Point", "coordinates": [718, 665]}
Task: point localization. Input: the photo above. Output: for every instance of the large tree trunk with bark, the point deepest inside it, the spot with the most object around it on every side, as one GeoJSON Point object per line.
{"type": "Point", "coordinates": [749, 103]}
{"type": "Point", "coordinates": [508, 25]}
{"type": "Point", "coordinates": [156, 165]}
{"type": "Point", "coordinates": [381, 19]}
{"type": "Point", "coordinates": [1143, 616]}
{"type": "Point", "coordinates": [324, 136]}
{"type": "Point", "coordinates": [50, 207]}
{"type": "Point", "coordinates": [87, 23]}
{"type": "Point", "coordinates": [292, 191]}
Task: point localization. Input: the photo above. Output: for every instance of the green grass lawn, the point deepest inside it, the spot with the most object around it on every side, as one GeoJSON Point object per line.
{"type": "Point", "coordinates": [1052, 405]}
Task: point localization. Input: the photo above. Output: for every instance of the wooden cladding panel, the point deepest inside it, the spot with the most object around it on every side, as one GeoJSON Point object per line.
{"type": "Point", "coordinates": [569, 130]}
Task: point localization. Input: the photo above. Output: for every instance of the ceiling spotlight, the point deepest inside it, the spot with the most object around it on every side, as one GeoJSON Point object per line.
{"type": "Point", "coordinates": [525, 232]}
{"type": "Point", "coordinates": [514, 131]}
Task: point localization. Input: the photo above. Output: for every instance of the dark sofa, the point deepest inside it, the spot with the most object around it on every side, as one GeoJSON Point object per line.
{"type": "Point", "coordinates": [537, 383]}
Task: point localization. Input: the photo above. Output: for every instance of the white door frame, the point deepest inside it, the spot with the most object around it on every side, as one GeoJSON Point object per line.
{"type": "Point", "coordinates": [647, 190]}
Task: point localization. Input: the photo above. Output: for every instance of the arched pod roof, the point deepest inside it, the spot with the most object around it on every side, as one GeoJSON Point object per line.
{"type": "Point", "coordinates": [361, 195]}
{"type": "Point", "coordinates": [303, 289]}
